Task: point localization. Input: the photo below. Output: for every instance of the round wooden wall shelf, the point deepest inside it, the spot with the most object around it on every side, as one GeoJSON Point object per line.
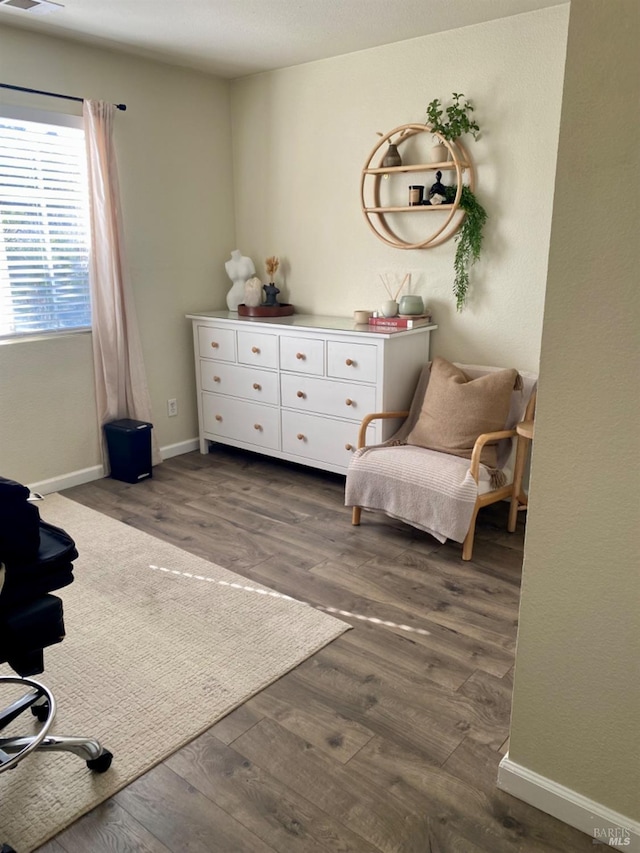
{"type": "Point", "coordinates": [386, 219]}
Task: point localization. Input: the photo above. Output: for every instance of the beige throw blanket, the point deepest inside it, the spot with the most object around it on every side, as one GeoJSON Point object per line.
{"type": "Point", "coordinates": [429, 490]}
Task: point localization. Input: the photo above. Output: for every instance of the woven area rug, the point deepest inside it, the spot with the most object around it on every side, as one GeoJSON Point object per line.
{"type": "Point", "coordinates": [160, 645]}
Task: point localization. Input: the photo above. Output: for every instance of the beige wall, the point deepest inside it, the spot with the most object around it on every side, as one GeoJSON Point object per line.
{"type": "Point", "coordinates": [301, 137]}
{"type": "Point", "coordinates": [576, 701]}
{"type": "Point", "coordinates": [174, 154]}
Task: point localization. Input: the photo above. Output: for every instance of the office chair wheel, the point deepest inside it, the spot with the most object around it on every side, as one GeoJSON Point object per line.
{"type": "Point", "coordinates": [40, 712]}
{"type": "Point", "coordinates": [100, 764]}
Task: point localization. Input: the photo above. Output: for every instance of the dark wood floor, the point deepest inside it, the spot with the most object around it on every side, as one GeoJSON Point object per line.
{"type": "Point", "coordinates": [389, 738]}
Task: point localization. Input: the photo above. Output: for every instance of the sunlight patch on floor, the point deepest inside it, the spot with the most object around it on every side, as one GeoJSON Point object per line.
{"type": "Point", "coordinates": [334, 611]}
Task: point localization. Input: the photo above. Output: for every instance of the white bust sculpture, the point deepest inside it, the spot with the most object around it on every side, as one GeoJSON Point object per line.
{"type": "Point", "coordinates": [239, 268]}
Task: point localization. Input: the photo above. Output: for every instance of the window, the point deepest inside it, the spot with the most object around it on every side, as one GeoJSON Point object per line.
{"type": "Point", "coordinates": [44, 224]}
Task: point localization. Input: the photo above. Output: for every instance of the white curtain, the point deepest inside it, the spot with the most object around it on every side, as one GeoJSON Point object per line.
{"type": "Point", "coordinates": [120, 378]}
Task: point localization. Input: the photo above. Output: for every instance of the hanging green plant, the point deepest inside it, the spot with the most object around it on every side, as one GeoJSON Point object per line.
{"type": "Point", "coordinates": [468, 239]}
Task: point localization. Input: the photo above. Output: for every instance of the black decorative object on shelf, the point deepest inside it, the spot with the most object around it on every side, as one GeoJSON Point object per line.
{"type": "Point", "coordinates": [438, 192]}
{"type": "Point", "coordinates": [271, 292]}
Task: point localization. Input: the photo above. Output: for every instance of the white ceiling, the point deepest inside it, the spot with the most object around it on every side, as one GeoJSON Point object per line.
{"type": "Point", "coordinates": [233, 38]}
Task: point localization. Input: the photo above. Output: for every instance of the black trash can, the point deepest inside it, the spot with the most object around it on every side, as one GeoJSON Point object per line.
{"type": "Point", "coordinates": [129, 445]}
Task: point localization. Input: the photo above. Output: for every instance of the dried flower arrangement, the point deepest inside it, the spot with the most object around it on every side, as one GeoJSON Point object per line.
{"type": "Point", "coordinates": [272, 265]}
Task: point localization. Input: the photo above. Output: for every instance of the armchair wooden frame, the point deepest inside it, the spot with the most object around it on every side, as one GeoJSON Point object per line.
{"type": "Point", "coordinates": [503, 493]}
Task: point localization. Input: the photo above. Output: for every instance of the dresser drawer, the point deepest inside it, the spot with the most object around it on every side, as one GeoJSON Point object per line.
{"type": "Point", "coordinates": [341, 399]}
{"type": "Point", "coordinates": [240, 420]}
{"type": "Point", "coordinates": [321, 439]}
{"type": "Point", "coordinates": [257, 349]}
{"type": "Point", "coordinates": [352, 361]}
{"type": "Point", "coordinates": [246, 382]}
{"type": "Point", "coordinates": [217, 343]}
{"type": "Point", "coordinates": [302, 355]}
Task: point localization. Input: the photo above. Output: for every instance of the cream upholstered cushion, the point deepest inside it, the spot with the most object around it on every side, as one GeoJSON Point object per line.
{"type": "Point", "coordinates": [457, 409]}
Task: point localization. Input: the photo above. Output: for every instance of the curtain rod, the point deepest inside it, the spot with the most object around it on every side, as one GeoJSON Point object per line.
{"type": "Point", "coordinates": [50, 94]}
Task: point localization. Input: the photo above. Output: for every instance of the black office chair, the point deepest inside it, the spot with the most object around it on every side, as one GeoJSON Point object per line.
{"type": "Point", "coordinates": [35, 558]}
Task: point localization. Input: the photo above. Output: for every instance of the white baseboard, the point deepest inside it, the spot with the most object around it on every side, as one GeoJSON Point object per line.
{"type": "Point", "coordinates": [181, 447]}
{"type": "Point", "coordinates": [96, 472]}
{"type": "Point", "coordinates": [66, 481]}
{"type": "Point", "coordinates": [597, 821]}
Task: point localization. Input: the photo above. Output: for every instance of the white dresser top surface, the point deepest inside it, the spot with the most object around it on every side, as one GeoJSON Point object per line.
{"type": "Point", "coordinates": [313, 322]}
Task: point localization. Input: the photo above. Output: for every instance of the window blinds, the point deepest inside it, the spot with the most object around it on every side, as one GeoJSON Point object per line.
{"type": "Point", "coordinates": [44, 228]}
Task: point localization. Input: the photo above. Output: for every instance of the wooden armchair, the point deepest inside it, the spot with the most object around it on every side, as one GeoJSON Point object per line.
{"type": "Point", "coordinates": [437, 492]}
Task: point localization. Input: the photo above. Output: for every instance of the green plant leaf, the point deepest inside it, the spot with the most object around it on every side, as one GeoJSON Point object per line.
{"type": "Point", "coordinates": [458, 118]}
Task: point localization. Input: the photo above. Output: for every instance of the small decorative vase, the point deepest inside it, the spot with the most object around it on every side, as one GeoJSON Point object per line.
{"type": "Point", "coordinates": [271, 292]}
{"type": "Point", "coordinates": [439, 153]}
{"type": "Point", "coordinates": [389, 308]}
{"type": "Point", "coordinates": [392, 157]}
{"type": "Point", "coordinates": [411, 304]}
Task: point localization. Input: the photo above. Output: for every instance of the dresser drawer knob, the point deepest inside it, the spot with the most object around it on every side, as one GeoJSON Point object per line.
{"type": "Point", "coordinates": [300, 356]}
{"type": "Point", "coordinates": [348, 402]}
{"type": "Point", "coordinates": [216, 379]}
{"type": "Point", "coordinates": [258, 427]}
{"type": "Point", "coordinates": [218, 417]}
{"type": "Point", "coordinates": [350, 362]}
{"type": "Point", "coordinates": [215, 344]}
{"type": "Point", "coordinates": [257, 387]}
{"type": "Point", "coordinates": [255, 349]}
{"type": "Point", "coordinates": [348, 447]}
{"type": "Point", "coordinates": [300, 436]}
{"type": "Point", "coordinates": [301, 394]}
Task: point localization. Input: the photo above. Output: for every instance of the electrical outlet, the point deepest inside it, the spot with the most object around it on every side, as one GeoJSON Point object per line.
{"type": "Point", "coordinates": [172, 407]}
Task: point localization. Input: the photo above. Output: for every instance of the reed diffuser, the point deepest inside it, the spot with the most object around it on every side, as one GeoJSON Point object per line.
{"type": "Point", "coordinates": [389, 308]}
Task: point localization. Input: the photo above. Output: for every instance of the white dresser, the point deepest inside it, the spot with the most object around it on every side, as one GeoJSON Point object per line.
{"type": "Point", "coordinates": [297, 387]}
